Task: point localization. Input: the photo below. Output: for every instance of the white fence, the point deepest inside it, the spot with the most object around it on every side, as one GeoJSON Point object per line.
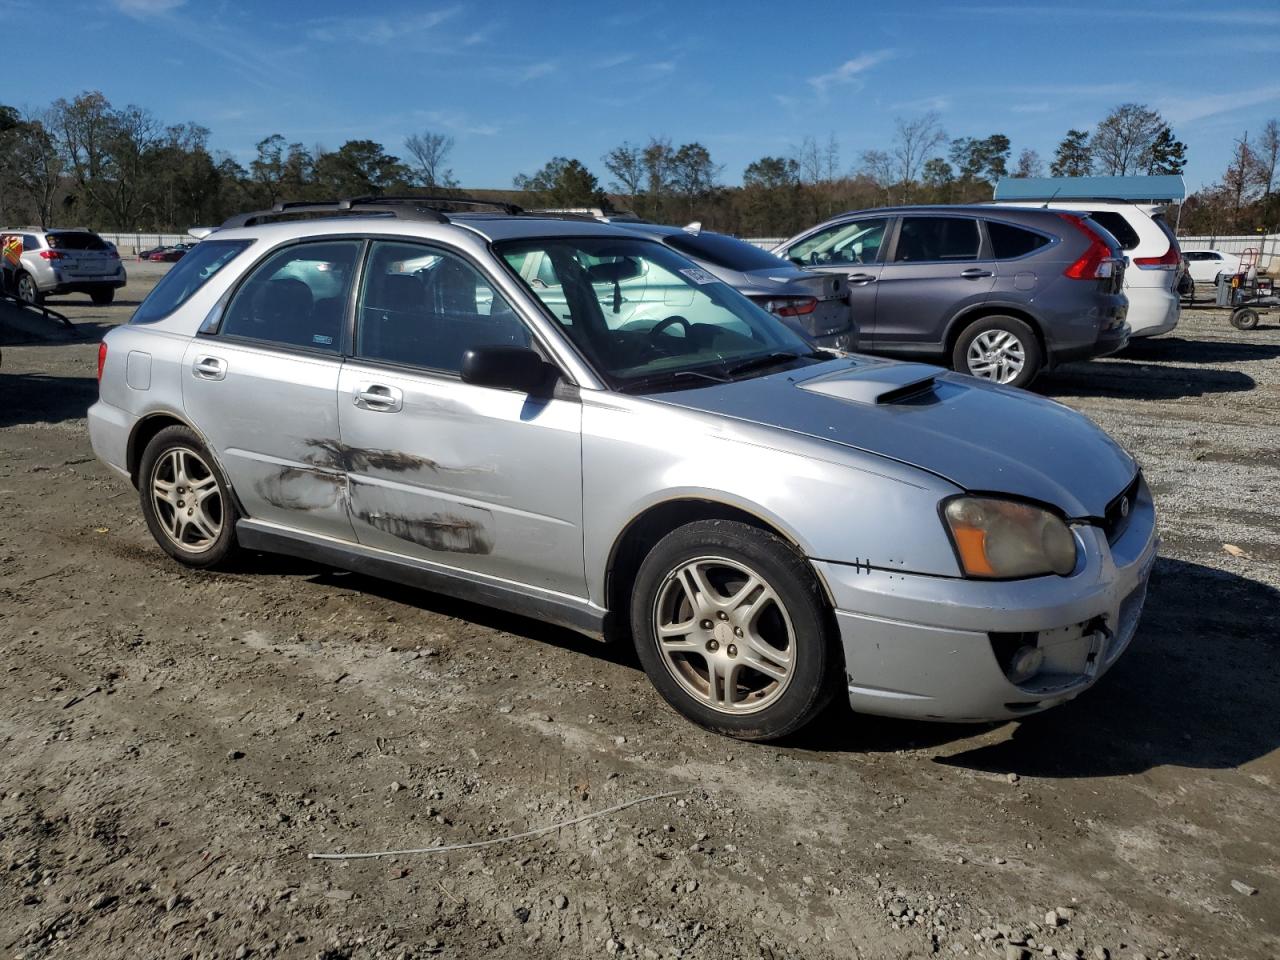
{"type": "Point", "coordinates": [130, 243]}
{"type": "Point", "coordinates": [1268, 247]}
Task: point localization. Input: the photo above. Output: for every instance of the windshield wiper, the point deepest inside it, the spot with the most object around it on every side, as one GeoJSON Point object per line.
{"type": "Point", "coordinates": [670, 378]}
{"type": "Point", "coordinates": [766, 360]}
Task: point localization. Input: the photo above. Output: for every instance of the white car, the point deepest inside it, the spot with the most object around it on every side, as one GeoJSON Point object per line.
{"type": "Point", "coordinates": [1153, 255]}
{"type": "Point", "coordinates": [1205, 266]}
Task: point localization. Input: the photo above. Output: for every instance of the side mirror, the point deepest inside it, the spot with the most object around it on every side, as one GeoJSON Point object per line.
{"type": "Point", "coordinates": [507, 368]}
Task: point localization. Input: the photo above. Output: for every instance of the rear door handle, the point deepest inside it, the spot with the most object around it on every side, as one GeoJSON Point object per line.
{"type": "Point", "coordinates": [976, 273]}
{"type": "Point", "coordinates": [210, 368]}
{"type": "Point", "coordinates": [379, 398]}
{"type": "Point", "coordinates": [861, 279]}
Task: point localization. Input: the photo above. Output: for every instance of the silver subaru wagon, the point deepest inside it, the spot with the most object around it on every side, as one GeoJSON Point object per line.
{"type": "Point", "coordinates": [384, 387]}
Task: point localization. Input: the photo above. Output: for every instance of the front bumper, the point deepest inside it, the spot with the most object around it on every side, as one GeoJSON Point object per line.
{"type": "Point", "coordinates": [922, 647]}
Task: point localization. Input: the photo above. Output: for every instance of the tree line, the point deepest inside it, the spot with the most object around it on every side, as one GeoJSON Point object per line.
{"type": "Point", "coordinates": [85, 161]}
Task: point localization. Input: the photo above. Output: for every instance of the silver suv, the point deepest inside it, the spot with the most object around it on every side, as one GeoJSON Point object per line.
{"type": "Point", "coordinates": [386, 388]}
{"type": "Point", "coordinates": [39, 263]}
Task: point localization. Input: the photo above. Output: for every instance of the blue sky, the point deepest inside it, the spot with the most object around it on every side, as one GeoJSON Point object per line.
{"type": "Point", "coordinates": [518, 83]}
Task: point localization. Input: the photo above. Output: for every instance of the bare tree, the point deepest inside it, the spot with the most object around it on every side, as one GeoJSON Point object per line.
{"type": "Point", "coordinates": [818, 164]}
{"type": "Point", "coordinates": [1267, 155]}
{"type": "Point", "coordinates": [626, 162]}
{"type": "Point", "coordinates": [430, 152]}
{"type": "Point", "coordinates": [914, 142]}
{"type": "Point", "coordinates": [1029, 164]}
{"type": "Point", "coordinates": [1241, 177]}
{"type": "Point", "coordinates": [879, 167]}
{"type": "Point", "coordinates": [1122, 143]}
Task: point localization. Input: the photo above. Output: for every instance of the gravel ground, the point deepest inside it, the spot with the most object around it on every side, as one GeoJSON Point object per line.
{"type": "Point", "coordinates": [173, 743]}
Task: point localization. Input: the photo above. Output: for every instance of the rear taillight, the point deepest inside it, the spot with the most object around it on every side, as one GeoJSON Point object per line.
{"type": "Point", "coordinates": [51, 254]}
{"type": "Point", "coordinates": [102, 358]}
{"type": "Point", "coordinates": [788, 306]}
{"type": "Point", "coordinates": [1169, 261]}
{"type": "Point", "coordinates": [1096, 263]}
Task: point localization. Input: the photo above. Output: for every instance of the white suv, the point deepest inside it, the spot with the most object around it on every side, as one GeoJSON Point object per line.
{"type": "Point", "coordinates": [1153, 255]}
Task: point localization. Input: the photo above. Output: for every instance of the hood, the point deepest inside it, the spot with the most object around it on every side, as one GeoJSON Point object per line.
{"type": "Point", "coordinates": [979, 436]}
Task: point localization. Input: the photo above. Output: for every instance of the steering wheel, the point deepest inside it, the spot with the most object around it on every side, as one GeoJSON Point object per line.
{"type": "Point", "coordinates": [662, 325]}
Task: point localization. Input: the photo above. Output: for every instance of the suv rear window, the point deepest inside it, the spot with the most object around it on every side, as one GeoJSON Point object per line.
{"type": "Point", "coordinates": [186, 277]}
{"type": "Point", "coordinates": [75, 241]}
{"type": "Point", "coordinates": [1009, 242]}
{"type": "Point", "coordinates": [727, 252]}
{"type": "Point", "coordinates": [1116, 225]}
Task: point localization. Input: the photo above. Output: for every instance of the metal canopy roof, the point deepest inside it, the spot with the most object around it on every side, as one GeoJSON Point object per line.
{"type": "Point", "coordinates": [1164, 189]}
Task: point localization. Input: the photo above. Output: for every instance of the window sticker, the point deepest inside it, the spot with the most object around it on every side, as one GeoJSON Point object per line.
{"type": "Point", "coordinates": [699, 276]}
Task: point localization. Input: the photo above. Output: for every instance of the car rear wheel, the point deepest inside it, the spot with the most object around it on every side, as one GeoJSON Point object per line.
{"type": "Point", "coordinates": [1001, 349]}
{"type": "Point", "coordinates": [731, 627]}
{"type": "Point", "coordinates": [28, 292]}
{"type": "Point", "coordinates": [102, 297]}
{"type": "Point", "coordinates": [186, 500]}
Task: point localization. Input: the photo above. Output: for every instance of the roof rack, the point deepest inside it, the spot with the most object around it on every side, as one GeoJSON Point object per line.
{"type": "Point", "coordinates": [403, 208]}
{"type": "Point", "coordinates": [587, 213]}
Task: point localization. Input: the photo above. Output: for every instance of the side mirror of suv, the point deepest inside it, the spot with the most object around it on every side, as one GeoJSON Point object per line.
{"type": "Point", "coordinates": [508, 368]}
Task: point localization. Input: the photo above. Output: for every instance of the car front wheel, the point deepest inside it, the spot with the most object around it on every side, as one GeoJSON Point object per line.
{"type": "Point", "coordinates": [185, 499]}
{"type": "Point", "coordinates": [731, 627]}
{"type": "Point", "coordinates": [1001, 349]}
{"type": "Point", "coordinates": [28, 292]}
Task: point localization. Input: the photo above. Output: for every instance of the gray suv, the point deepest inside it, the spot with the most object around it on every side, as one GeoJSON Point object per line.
{"type": "Point", "coordinates": [401, 392]}
{"type": "Point", "coordinates": [996, 293]}
{"type": "Point", "coordinates": [39, 263]}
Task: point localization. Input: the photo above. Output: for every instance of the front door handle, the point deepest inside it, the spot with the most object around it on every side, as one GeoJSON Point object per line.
{"type": "Point", "coordinates": [976, 273]}
{"type": "Point", "coordinates": [210, 368]}
{"type": "Point", "coordinates": [379, 398]}
{"type": "Point", "coordinates": [861, 279]}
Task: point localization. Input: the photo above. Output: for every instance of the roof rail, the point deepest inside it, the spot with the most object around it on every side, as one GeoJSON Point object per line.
{"type": "Point", "coordinates": [433, 201]}
{"type": "Point", "coordinates": [380, 206]}
{"type": "Point", "coordinates": [587, 213]}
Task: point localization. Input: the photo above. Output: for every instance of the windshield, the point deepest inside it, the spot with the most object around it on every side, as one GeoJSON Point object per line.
{"type": "Point", "coordinates": [728, 252]}
{"type": "Point", "coordinates": [640, 312]}
{"type": "Point", "coordinates": [187, 276]}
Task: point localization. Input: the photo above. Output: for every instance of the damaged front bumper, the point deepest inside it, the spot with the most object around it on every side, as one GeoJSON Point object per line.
{"type": "Point", "coordinates": [937, 648]}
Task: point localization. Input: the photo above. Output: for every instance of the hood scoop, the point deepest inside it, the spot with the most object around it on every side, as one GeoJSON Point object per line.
{"type": "Point", "coordinates": [877, 385]}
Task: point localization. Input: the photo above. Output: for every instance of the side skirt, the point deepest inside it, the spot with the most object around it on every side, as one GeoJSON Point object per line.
{"type": "Point", "coordinates": [580, 615]}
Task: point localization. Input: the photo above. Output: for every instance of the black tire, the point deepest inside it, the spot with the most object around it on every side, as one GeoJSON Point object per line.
{"type": "Point", "coordinates": [769, 708]}
{"type": "Point", "coordinates": [1246, 318]}
{"type": "Point", "coordinates": [1028, 348]}
{"type": "Point", "coordinates": [188, 547]}
{"type": "Point", "coordinates": [102, 297]}
{"type": "Point", "coordinates": [26, 290]}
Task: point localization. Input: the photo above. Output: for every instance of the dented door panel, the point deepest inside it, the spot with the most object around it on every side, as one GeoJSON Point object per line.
{"type": "Point", "coordinates": [475, 478]}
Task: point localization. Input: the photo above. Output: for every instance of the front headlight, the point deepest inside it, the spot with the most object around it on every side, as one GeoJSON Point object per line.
{"type": "Point", "coordinates": [1004, 539]}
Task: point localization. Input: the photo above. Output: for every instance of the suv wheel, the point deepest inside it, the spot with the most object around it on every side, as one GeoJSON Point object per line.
{"type": "Point", "coordinates": [1002, 349]}
{"type": "Point", "coordinates": [731, 628]}
{"type": "Point", "coordinates": [102, 297]}
{"type": "Point", "coordinates": [185, 499]}
{"type": "Point", "coordinates": [28, 292]}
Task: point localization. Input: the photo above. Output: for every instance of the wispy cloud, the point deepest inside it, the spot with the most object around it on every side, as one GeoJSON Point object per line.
{"type": "Point", "coordinates": [924, 103]}
{"type": "Point", "coordinates": [1189, 109]}
{"type": "Point", "coordinates": [608, 63]}
{"type": "Point", "coordinates": [379, 31]}
{"type": "Point", "coordinates": [535, 70]}
{"type": "Point", "coordinates": [661, 66]}
{"type": "Point", "coordinates": [458, 123]}
{"type": "Point", "coordinates": [1220, 16]}
{"type": "Point", "coordinates": [1040, 106]}
{"type": "Point", "coordinates": [848, 71]}
{"type": "Point", "coordinates": [140, 9]}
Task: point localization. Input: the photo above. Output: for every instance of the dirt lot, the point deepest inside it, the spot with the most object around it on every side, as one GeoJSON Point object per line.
{"type": "Point", "coordinates": [173, 744]}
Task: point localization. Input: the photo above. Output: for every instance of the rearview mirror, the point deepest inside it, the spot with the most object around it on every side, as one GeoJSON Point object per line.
{"type": "Point", "coordinates": [615, 271]}
{"type": "Point", "coordinates": [507, 368]}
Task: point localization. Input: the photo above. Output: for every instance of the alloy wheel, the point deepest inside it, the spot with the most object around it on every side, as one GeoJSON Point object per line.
{"type": "Point", "coordinates": [996, 355]}
{"type": "Point", "coordinates": [187, 499]}
{"type": "Point", "coordinates": [27, 289]}
{"type": "Point", "coordinates": [724, 635]}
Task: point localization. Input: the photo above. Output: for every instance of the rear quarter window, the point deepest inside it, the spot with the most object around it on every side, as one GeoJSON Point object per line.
{"type": "Point", "coordinates": [1116, 225]}
{"type": "Point", "coordinates": [1009, 242]}
{"type": "Point", "coordinates": [188, 275]}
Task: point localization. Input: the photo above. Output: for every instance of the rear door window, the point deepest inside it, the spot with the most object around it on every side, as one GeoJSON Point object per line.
{"type": "Point", "coordinates": [932, 239]}
{"type": "Point", "coordinates": [1116, 224]}
{"type": "Point", "coordinates": [1009, 242]}
{"type": "Point", "coordinates": [296, 297]}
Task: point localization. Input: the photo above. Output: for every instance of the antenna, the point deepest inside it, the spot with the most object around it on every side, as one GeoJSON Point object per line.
{"type": "Point", "coordinates": [1051, 199]}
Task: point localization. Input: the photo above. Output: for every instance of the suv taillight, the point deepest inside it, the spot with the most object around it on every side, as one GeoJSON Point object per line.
{"type": "Point", "coordinates": [102, 358]}
{"type": "Point", "coordinates": [50, 254]}
{"type": "Point", "coordinates": [1096, 263]}
{"type": "Point", "coordinates": [788, 306]}
{"type": "Point", "coordinates": [1169, 261]}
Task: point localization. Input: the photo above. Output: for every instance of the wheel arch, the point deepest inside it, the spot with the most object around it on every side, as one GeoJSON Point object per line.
{"type": "Point", "coordinates": [653, 523]}
{"type": "Point", "coordinates": [963, 321]}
